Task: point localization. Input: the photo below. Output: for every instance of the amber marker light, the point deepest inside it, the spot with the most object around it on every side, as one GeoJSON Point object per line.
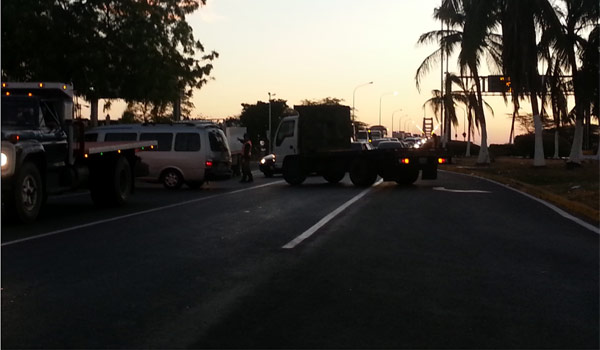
{"type": "Point", "coordinates": [41, 85]}
{"type": "Point", "coordinates": [7, 93]}
{"type": "Point", "coordinates": [405, 161]}
{"type": "Point", "coordinates": [29, 94]}
{"type": "Point", "coordinates": [86, 155]}
{"type": "Point", "coordinates": [442, 160]}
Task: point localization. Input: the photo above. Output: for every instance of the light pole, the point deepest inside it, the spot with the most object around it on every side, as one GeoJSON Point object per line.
{"type": "Point", "coordinates": [354, 95]}
{"type": "Point", "coordinates": [406, 123]}
{"type": "Point", "coordinates": [381, 97]}
{"type": "Point", "coordinates": [398, 110]}
{"type": "Point", "coordinates": [270, 136]}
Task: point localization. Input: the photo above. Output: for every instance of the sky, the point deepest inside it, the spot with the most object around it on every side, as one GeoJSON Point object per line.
{"type": "Point", "coordinates": [312, 49]}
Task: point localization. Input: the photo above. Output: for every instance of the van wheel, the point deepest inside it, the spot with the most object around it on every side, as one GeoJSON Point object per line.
{"type": "Point", "coordinates": [172, 179]}
{"type": "Point", "coordinates": [28, 193]}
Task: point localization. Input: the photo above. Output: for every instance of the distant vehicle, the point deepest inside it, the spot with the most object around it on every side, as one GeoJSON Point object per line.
{"type": "Point", "coordinates": [377, 141]}
{"type": "Point", "coordinates": [391, 145]}
{"type": "Point", "coordinates": [362, 136]}
{"type": "Point", "coordinates": [378, 131]}
{"type": "Point", "coordinates": [361, 146]}
{"type": "Point", "coordinates": [41, 154]}
{"type": "Point", "coordinates": [317, 141]}
{"type": "Point", "coordinates": [189, 153]}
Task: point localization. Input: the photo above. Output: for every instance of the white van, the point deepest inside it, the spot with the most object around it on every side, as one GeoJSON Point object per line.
{"type": "Point", "coordinates": [186, 153]}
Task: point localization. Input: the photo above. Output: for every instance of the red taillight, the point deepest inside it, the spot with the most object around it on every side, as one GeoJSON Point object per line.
{"type": "Point", "coordinates": [209, 164]}
{"type": "Point", "coordinates": [14, 138]}
{"type": "Point", "coordinates": [405, 161]}
{"type": "Point", "coordinates": [442, 160]}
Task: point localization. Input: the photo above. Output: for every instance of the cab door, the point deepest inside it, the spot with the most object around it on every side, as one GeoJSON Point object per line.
{"type": "Point", "coordinates": [286, 140]}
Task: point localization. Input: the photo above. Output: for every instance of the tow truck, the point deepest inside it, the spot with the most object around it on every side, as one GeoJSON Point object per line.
{"type": "Point", "coordinates": [44, 152]}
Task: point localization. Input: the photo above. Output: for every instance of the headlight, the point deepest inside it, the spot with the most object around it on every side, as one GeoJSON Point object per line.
{"type": "Point", "coordinates": [262, 161]}
{"type": "Point", "coordinates": [4, 160]}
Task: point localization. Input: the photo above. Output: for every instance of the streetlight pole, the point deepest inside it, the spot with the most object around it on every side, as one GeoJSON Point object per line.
{"type": "Point", "coordinates": [398, 110]}
{"type": "Point", "coordinates": [380, 98]}
{"type": "Point", "coordinates": [354, 96]}
{"type": "Point", "coordinates": [270, 136]}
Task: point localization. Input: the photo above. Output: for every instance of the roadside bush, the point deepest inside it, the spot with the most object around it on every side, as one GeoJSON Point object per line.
{"type": "Point", "coordinates": [524, 145]}
{"type": "Point", "coordinates": [459, 148]}
{"type": "Point", "coordinates": [505, 150]}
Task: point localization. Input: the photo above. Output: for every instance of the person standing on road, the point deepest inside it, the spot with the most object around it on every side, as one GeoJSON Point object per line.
{"type": "Point", "coordinates": [246, 154]}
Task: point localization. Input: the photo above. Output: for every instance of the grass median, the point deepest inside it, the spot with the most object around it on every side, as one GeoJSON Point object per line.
{"type": "Point", "coordinates": [573, 190]}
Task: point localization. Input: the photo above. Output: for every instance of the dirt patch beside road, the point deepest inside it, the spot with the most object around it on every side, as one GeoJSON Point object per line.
{"type": "Point", "coordinates": [573, 190]}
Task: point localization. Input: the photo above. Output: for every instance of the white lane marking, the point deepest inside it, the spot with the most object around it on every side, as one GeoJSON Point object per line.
{"type": "Point", "coordinates": [551, 206]}
{"type": "Point", "coordinates": [459, 191]}
{"type": "Point", "coordinates": [293, 243]}
{"type": "Point", "coordinates": [94, 223]}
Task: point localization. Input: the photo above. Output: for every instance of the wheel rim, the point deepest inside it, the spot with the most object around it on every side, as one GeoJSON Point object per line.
{"type": "Point", "coordinates": [29, 193]}
{"type": "Point", "coordinates": [171, 179]}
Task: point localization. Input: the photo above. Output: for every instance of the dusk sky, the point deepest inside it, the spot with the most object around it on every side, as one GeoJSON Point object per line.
{"type": "Point", "coordinates": [312, 49]}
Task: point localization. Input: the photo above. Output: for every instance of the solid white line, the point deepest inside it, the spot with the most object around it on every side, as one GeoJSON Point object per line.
{"type": "Point", "coordinates": [293, 243]}
{"type": "Point", "coordinates": [551, 206]}
{"type": "Point", "coordinates": [94, 223]}
{"type": "Point", "coordinates": [459, 191]}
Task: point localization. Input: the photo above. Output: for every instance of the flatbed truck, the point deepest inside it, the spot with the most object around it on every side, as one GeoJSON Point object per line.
{"type": "Point", "coordinates": [42, 154]}
{"type": "Point", "coordinates": [317, 140]}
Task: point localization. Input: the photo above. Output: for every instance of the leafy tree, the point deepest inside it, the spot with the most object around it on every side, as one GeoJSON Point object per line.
{"type": "Point", "coordinates": [141, 51]}
{"type": "Point", "coordinates": [255, 117]}
{"type": "Point", "coordinates": [330, 101]}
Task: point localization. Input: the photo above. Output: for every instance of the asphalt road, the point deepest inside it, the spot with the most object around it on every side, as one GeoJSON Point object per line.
{"type": "Point", "coordinates": [454, 263]}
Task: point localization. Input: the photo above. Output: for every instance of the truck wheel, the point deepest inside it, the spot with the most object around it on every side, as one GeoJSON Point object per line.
{"type": "Point", "coordinates": [362, 174]}
{"type": "Point", "coordinates": [334, 176]}
{"type": "Point", "coordinates": [28, 192]}
{"type": "Point", "coordinates": [172, 179]}
{"type": "Point", "coordinates": [114, 186]}
{"type": "Point", "coordinates": [408, 177]}
{"type": "Point", "coordinates": [292, 171]}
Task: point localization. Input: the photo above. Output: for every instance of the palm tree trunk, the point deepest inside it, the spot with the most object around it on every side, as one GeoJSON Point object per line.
{"type": "Point", "coordinates": [577, 147]}
{"type": "Point", "coordinates": [484, 154]}
{"type": "Point", "coordinates": [538, 158]}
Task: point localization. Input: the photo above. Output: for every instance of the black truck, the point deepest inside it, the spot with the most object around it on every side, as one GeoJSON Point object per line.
{"type": "Point", "coordinates": [317, 140]}
{"type": "Point", "coordinates": [41, 155]}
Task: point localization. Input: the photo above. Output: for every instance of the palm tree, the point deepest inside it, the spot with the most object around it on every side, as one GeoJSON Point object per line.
{"type": "Point", "coordinates": [477, 20]}
{"type": "Point", "coordinates": [556, 98]}
{"type": "Point", "coordinates": [579, 16]}
{"type": "Point", "coordinates": [520, 55]}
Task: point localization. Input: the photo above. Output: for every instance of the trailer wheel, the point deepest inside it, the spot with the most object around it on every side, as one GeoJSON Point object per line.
{"type": "Point", "coordinates": [362, 174]}
{"type": "Point", "coordinates": [408, 177]}
{"type": "Point", "coordinates": [292, 171]}
{"type": "Point", "coordinates": [334, 176]}
{"type": "Point", "coordinates": [28, 193]}
{"type": "Point", "coordinates": [171, 179]}
{"type": "Point", "coordinates": [114, 185]}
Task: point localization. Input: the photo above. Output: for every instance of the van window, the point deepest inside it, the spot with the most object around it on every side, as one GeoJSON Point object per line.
{"type": "Point", "coordinates": [217, 142]}
{"type": "Point", "coordinates": [165, 140]}
{"type": "Point", "coordinates": [120, 136]}
{"type": "Point", "coordinates": [285, 130]}
{"type": "Point", "coordinates": [187, 142]}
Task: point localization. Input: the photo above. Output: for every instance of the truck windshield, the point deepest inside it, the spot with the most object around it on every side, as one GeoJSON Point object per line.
{"type": "Point", "coordinates": [20, 112]}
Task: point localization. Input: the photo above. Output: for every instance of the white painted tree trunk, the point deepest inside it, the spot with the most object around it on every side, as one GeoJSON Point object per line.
{"type": "Point", "coordinates": [576, 154]}
{"type": "Point", "coordinates": [538, 157]}
{"type": "Point", "coordinates": [484, 154]}
{"type": "Point", "coordinates": [556, 156]}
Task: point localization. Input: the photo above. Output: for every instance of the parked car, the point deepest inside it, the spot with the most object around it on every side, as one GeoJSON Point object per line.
{"type": "Point", "coordinates": [186, 153]}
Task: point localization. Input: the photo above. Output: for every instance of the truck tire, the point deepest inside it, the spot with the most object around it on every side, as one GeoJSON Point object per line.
{"type": "Point", "coordinates": [334, 176]}
{"type": "Point", "coordinates": [292, 171]}
{"type": "Point", "coordinates": [28, 193]}
{"type": "Point", "coordinates": [362, 174]}
{"type": "Point", "coordinates": [408, 176]}
{"type": "Point", "coordinates": [171, 179]}
{"type": "Point", "coordinates": [114, 186]}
